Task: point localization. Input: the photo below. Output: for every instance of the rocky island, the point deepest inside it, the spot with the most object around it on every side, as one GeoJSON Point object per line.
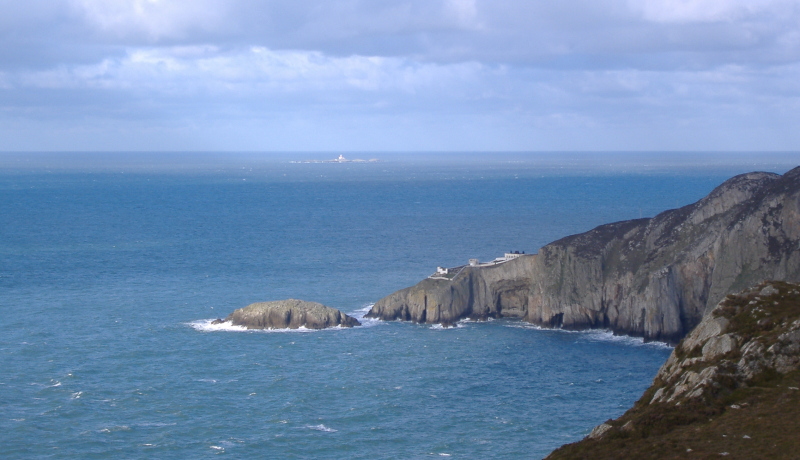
{"type": "Point", "coordinates": [653, 278]}
{"type": "Point", "coordinates": [289, 314]}
{"type": "Point", "coordinates": [730, 388]}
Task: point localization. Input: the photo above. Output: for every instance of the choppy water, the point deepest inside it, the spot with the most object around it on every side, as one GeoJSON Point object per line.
{"type": "Point", "coordinates": [112, 268]}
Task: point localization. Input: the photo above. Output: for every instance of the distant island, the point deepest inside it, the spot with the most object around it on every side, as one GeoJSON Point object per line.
{"type": "Point", "coordinates": [341, 159]}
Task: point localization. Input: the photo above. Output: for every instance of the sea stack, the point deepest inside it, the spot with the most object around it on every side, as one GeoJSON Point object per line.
{"type": "Point", "coordinates": [290, 314]}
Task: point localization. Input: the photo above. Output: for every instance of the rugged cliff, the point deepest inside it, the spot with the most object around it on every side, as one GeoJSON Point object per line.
{"type": "Point", "coordinates": [653, 278]}
{"type": "Point", "coordinates": [729, 388]}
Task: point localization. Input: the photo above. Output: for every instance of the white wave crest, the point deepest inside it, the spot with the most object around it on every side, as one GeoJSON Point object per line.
{"type": "Point", "coordinates": [206, 325]}
{"type": "Point", "coordinates": [321, 427]}
{"type": "Point", "coordinates": [115, 428]}
{"type": "Point", "coordinates": [596, 335]}
{"type": "Point", "coordinates": [604, 335]}
{"type": "Point", "coordinates": [365, 322]}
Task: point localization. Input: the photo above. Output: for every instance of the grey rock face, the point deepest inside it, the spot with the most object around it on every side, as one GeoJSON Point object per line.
{"type": "Point", "coordinates": [291, 314]}
{"type": "Point", "coordinates": [599, 431]}
{"type": "Point", "coordinates": [653, 278]}
{"type": "Point", "coordinates": [718, 346]}
{"type": "Point", "coordinates": [723, 362]}
{"type": "Point", "coordinates": [477, 293]}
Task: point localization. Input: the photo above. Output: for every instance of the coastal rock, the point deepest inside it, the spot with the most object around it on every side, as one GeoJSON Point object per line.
{"type": "Point", "coordinates": [599, 430]}
{"type": "Point", "coordinates": [718, 346]}
{"type": "Point", "coordinates": [716, 382]}
{"type": "Point", "coordinates": [654, 278]}
{"type": "Point", "coordinates": [291, 314]}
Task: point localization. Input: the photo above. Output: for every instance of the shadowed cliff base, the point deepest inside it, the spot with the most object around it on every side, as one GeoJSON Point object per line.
{"type": "Point", "coordinates": [653, 278]}
{"type": "Point", "coordinates": [730, 388]}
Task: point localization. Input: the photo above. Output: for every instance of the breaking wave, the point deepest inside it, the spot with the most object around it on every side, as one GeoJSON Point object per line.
{"type": "Point", "coordinates": [321, 427]}
{"type": "Point", "coordinates": [206, 325]}
{"type": "Point", "coordinates": [365, 322]}
{"type": "Point", "coordinates": [596, 335]}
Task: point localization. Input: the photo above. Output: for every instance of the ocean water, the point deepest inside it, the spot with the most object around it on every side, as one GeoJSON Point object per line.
{"type": "Point", "coordinates": [113, 266]}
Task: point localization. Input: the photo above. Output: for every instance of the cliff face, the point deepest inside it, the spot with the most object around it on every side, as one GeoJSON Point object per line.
{"type": "Point", "coordinates": [730, 386]}
{"type": "Point", "coordinates": [653, 278]}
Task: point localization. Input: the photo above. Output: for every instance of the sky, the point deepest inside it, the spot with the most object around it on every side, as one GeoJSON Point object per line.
{"type": "Point", "coordinates": [400, 75]}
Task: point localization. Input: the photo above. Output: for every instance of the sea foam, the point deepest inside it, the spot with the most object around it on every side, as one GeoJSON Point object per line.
{"type": "Point", "coordinates": [321, 427]}
{"type": "Point", "coordinates": [439, 327]}
{"type": "Point", "coordinates": [605, 335]}
{"type": "Point", "coordinates": [365, 322]}
{"type": "Point", "coordinates": [206, 325]}
{"type": "Point", "coordinates": [596, 335]}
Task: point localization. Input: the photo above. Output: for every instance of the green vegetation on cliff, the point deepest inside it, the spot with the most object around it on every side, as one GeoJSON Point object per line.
{"type": "Point", "coordinates": [730, 388]}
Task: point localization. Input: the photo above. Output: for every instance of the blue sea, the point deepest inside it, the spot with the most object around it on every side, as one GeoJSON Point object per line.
{"type": "Point", "coordinates": [113, 265]}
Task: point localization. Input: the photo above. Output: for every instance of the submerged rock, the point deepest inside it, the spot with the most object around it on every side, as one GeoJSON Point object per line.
{"type": "Point", "coordinates": [654, 278]}
{"type": "Point", "coordinates": [290, 314]}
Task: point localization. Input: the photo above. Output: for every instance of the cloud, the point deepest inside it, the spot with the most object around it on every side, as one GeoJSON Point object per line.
{"type": "Point", "coordinates": [465, 12]}
{"type": "Point", "coordinates": [304, 98]}
{"type": "Point", "coordinates": [469, 74]}
{"type": "Point", "coordinates": [587, 33]}
{"type": "Point", "coordinates": [183, 70]}
{"type": "Point", "coordinates": [152, 20]}
{"type": "Point", "coordinates": [679, 11]}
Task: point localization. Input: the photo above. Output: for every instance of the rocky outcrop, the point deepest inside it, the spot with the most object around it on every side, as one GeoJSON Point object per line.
{"type": "Point", "coordinates": [730, 386]}
{"type": "Point", "coordinates": [291, 314]}
{"type": "Point", "coordinates": [653, 278]}
{"type": "Point", "coordinates": [477, 293]}
{"type": "Point", "coordinates": [746, 335]}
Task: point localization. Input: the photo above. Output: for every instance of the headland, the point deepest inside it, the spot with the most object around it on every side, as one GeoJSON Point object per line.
{"type": "Point", "coordinates": [653, 278]}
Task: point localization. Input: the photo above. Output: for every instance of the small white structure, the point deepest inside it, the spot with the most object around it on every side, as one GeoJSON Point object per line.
{"type": "Point", "coordinates": [513, 255]}
{"type": "Point", "coordinates": [474, 262]}
{"type": "Point", "coordinates": [442, 270]}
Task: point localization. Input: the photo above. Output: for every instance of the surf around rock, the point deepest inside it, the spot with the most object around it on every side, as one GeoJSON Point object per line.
{"type": "Point", "coordinates": [289, 314]}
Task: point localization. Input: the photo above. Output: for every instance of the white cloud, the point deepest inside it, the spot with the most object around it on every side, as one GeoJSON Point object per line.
{"type": "Point", "coordinates": [514, 73]}
{"type": "Point", "coordinates": [156, 19]}
{"type": "Point", "coordinates": [255, 71]}
{"type": "Point", "coordinates": [681, 11]}
{"type": "Point", "coordinates": [587, 33]}
{"type": "Point", "coordinates": [465, 12]}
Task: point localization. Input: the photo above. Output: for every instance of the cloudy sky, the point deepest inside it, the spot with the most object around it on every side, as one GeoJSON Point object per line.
{"type": "Point", "coordinates": [372, 75]}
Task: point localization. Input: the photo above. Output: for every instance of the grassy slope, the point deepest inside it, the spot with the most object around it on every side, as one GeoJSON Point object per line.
{"type": "Point", "coordinates": [765, 425]}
